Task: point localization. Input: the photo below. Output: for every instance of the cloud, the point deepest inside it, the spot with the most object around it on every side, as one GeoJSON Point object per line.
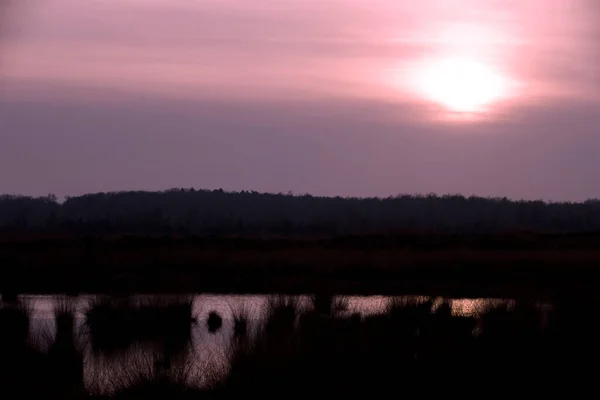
{"type": "Point", "coordinates": [341, 147]}
{"type": "Point", "coordinates": [298, 48]}
{"type": "Point", "coordinates": [299, 95]}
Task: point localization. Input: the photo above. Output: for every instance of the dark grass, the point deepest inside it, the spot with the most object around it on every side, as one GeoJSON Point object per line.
{"type": "Point", "coordinates": [162, 388]}
{"type": "Point", "coordinates": [328, 304]}
{"type": "Point", "coordinates": [149, 374]}
{"type": "Point", "coordinates": [64, 316]}
{"type": "Point", "coordinates": [65, 353]}
{"type": "Point", "coordinates": [517, 265]}
{"type": "Point", "coordinates": [214, 322]}
{"type": "Point", "coordinates": [415, 347]}
{"type": "Point", "coordinates": [24, 369]}
{"type": "Point", "coordinates": [281, 314]}
{"type": "Point", "coordinates": [10, 297]}
{"type": "Point", "coordinates": [15, 320]}
{"type": "Point", "coordinates": [241, 317]}
{"type": "Point", "coordinates": [253, 357]}
{"type": "Point", "coordinates": [115, 323]}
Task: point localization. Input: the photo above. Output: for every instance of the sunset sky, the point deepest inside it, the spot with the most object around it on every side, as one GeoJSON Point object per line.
{"type": "Point", "coordinates": [329, 97]}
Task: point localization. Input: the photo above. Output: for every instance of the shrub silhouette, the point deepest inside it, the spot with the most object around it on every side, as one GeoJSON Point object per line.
{"type": "Point", "coordinates": [116, 323]}
{"type": "Point", "coordinates": [214, 322]}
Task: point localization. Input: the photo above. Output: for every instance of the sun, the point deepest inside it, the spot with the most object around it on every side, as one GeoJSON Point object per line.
{"type": "Point", "coordinates": [461, 85]}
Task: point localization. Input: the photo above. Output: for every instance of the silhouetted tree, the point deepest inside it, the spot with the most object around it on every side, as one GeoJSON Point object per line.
{"type": "Point", "coordinates": [204, 212]}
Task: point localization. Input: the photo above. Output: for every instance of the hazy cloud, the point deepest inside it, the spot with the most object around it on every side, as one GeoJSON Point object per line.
{"type": "Point", "coordinates": [309, 96]}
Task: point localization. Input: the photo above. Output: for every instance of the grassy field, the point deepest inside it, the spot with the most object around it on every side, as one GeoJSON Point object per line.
{"type": "Point", "coordinates": [501, 265]}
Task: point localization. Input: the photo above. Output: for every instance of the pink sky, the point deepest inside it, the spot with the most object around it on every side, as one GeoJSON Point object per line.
{"type": "Point", "coordinates": [301, 95]}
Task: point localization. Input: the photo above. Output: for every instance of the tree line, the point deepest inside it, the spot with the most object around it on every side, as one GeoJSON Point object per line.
{"type": "Point", "coordinates": [218, 212]}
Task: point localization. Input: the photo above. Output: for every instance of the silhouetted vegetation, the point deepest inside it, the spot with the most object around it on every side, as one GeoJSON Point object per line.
{"type": "Point", "coordinates": [9, 296]}
{"type": "Point", "coordinates": [117, 323]}
{"type": "Point", "coordinates": [149, 375]}
{"type": "Point", "coordinates": [328, 304]}
{"type": "Point", "coordinates": [543, 254]}
{"type": "Point", "coordinates": [455, 265]}
{"type": "Point", "coordinates": [24, 370]}
{"type": "Point", "coordinates": [240, 317]}
{"type": "Point", "coordinates": [14, 323]}
{"type": "Point", "coordinates": [281, 315]}
{"type": "Point", "coordinates": [414, 346]}
{"type": "Point", "coordinates": [65, 355]}
{"type": "Point", "coordinates": [214, 322]}
{"type": "Point", "coordinates": [189, 240]}
{"type": "Point", "coordinates": [216, 212]}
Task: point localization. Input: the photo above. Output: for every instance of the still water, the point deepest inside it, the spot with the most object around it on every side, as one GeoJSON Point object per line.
{"type": "Point", "coordinates": [208, 351]}
{"type": "Point", "coordinates": [42, 308]}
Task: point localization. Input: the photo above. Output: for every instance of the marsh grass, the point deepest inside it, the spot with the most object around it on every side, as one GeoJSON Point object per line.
{"type": "Point", "coordinates": [140, 372]}
{"type": "Point", "coordinates": [281, 313]}
{"type": "Point", "coordinates": [15, 321]}
{"type": "Point", "coordinates": [415, 342]}
{"type": "Point", "coordinates": [65, 354]}
{"type": "Point", "coordinates": [64, 311]}
{"type": "Point", "coordinates": [117, 323]}
{"type": "Point", "coordinates": [214, 322]}
{"type": "Point", "coordinates": [413, 346]}
{"type": "Point", "coordinates": [24, 368]}
{"type": "Point", "coordinates": [10, 297]}
{"type": "Point", "coordinates": [241, 319]}
{"type": "Point", "coordinates": [329, 305]}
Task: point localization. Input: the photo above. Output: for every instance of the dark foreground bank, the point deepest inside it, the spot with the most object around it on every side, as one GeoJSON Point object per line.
{"type": "Point", "coordinates": [516, 265]}
{"type": "Point", "coordinates": [124, 348]}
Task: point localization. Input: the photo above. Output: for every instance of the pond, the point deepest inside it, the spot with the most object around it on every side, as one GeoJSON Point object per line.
{"type": "Point", "coordinates": [123, 339]}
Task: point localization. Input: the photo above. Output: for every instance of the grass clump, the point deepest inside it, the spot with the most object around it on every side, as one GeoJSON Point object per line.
{"type": "Point", "coordinates": [214, 321]}
{"type": "Point", "coordinates": [117, 322]}
{"type": "Point", "coordinates": [281, 314]}
{"type": "Point", "coordinates": [241, 317]}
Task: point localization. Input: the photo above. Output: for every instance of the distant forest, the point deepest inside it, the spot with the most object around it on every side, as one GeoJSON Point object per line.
{"type": "Point", "coordinates": [217, 212]}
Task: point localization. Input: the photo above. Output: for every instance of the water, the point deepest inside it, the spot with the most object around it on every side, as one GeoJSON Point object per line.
{"type": "Point", "coordinates": [207, 351]}
{"type": "Point", "coordinates": [42, 308]}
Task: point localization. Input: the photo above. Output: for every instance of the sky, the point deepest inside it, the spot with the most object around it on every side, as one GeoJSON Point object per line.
{"type": "Point", "coordinates": [330, 97]}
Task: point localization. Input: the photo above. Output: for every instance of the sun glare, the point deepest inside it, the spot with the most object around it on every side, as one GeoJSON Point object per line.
{"type": "Point", "coordinates": [461, 85]}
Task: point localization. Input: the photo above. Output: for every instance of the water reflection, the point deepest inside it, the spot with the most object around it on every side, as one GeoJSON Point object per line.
{"type": "Point", "coordinates": [42, 306]}
{"type": "Point", "coordinates": [120, 335]}
{"type": "Point", "coordinates": [111, 345]}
